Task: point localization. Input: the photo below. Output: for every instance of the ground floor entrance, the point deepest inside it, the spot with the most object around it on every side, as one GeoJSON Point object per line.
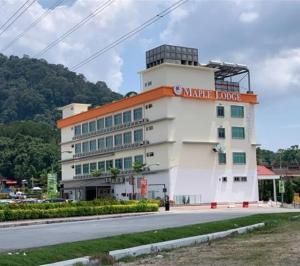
{"type": "Point", "coordinates": [98, 192]}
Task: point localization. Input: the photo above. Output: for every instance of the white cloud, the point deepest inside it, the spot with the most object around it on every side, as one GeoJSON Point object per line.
{"type": "Point", "coordinates": [248, 17]}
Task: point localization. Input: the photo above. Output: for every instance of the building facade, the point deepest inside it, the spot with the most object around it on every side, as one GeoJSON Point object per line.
{"type": "Point", "coordinates": [195, 138]}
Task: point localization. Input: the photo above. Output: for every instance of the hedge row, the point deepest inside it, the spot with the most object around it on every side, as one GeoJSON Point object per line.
{"type": "Point", "coordinates": [22, 214]}
{"type": "Point", "coordinates": [58, 205]}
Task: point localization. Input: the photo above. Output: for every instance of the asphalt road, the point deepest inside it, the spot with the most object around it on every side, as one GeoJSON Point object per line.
{"type": "Point", "coordinates": [24, 237]}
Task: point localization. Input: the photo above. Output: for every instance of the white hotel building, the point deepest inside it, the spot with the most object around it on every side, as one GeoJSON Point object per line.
{"type": "Point", "coordinates": [188, 118]}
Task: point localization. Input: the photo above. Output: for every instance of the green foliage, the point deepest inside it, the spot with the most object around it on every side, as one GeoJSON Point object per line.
{"type": "Point", "coordinates": [115, 172]}
{"type": "Point", "coordinates": [138, 167]}
{"type": "Point", "coordinates": [96, 173]}
{"type": "Point", "coordinates": [289, 192]}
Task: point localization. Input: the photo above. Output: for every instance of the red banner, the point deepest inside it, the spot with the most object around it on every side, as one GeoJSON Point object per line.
{"type": "Point", "coordinates": [144, 187]}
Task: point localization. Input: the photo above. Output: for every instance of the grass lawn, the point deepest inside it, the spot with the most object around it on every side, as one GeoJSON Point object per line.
{"type": "Point", "coordinates": [97, 247]}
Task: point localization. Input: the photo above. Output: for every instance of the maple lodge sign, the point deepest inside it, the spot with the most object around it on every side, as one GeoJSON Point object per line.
{"type": "Point", "coordinates": [206, 94]}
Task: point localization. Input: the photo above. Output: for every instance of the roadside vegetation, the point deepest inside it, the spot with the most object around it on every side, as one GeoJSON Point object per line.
{"type": "Point", "coordinates": [23, 211]}
{"type": "Point", "coordinates": [99, 248]}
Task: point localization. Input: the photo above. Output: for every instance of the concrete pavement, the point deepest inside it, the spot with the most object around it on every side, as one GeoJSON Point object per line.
{"type": "Point", "coordinates": [50, 234]}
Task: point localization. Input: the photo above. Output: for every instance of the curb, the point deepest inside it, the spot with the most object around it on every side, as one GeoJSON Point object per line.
{"type": "Point", "coordinates": [72, 219]}
{"type": "Point", "coordinates": [166, 245]}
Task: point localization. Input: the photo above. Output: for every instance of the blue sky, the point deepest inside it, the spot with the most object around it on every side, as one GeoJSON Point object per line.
{"type": "Point", "coordinates": [261, 34]}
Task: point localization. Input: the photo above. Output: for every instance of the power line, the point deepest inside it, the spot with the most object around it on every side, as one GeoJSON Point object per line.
{"type": "Point", "coordinates": [11, 17]}
{"type": "Point", "coordinates": [33, 24]}
{"type": "Point", "coordinates": [126, 36]}
{"type": "Point", "coordinates": [19, 15]}
{"type": "Point", "coordinates": [75, 27]}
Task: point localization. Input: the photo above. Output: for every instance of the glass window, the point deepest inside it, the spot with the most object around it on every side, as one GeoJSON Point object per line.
{"type": "Point", "coordinates": [127, 117]}
{"type": "Point", "coordinates": [108, 121]}
{"type": "Point", "coordinates": [93, 167]}
{"type": "Point", "coordinates": [238, 132]}
{"type": "Point", "coordinates": [138, 114]}
{"type": "Point", "coordinates": [127, 138]}
{"type": "Point", "coordinates": [85, 168]}
{"type": "Point", "coordinates": [78, 169]}
{"type": "Point", "coordinates": [101, 166]}
{"type": "Point", "coordinates": [237, 111]}
{"type": "Point", "coordinates": [85, 146]}
{"type": "Point", "coordinates": [221, 133]}
{"type": "Point", "coordinates": [119, 163]}
{"type": "Point", "coordinates": [127, 163]}
{"type": "Point", "coordinates": [109, 164]}
{"type": "Point", "coordinates": [118, 119]}
{"type": "Point", "coordinates": [139, 158]}
{"type": "Point", "coordinates": [77, 130]}
{"type": "Point", "coordinates": [239, 158]}
{"type": "Point", "coordinates": [77, 148]}
{"type": "Point", "coordinates": [93, 145]}
{"type": "Point", "coordinates": [222, 158]}
{"type": "Point", "coordinates": [100, 123]}
{"type": "Point", "coordinates": [220, 111]}
{"type": "Point", "coordinates": [118, 140]}
{"type": "Point", "coordinates": [109, 142]}
{"type": "Point", "coordinates": [92, 126]}
{"type": "Point", "coordinates": [101, 144]}
{"type": "Point", "coordinates": [138, 135]}
{"type": "Point", "coordinates": [85, 128]}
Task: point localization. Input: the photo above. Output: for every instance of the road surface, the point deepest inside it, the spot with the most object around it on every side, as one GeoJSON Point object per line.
{"type": "Point", "coordinates": [24, 237]}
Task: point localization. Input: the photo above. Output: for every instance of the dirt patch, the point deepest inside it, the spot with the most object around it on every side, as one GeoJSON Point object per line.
{"type": "Point", "coordinates": [273, 246]}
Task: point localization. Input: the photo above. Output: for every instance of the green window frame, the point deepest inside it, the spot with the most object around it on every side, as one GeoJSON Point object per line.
{"type": "Point", "coordinates": [86, 169]}
{"type": "Point", "coordinates": [101, 166]}
{"type": "Point", "coordinates": [85, 146]}
{"type": "Point", "coordinates": [100, 124]}
{"type": "Point", "coordinates": [139, 158]}
{"type": "Point", "coordinates": [127, 138]}
{"type": "Point", "coordinates": [238, 132]}
{"type": "Point", "coordinates": [138, 114]}
{"type": "Point", "coordinates": [77, 130]}
{"type": "Point", "coordinates": [92, 126]}
{"type": "Point", "coordinates": [109, 142]}
{"type": "Point", "coordinates": [108, 165]}
{"type": "Point", "coordinates": [237, 111]}
{"type": "Point", "coordinates": [93, 167]}
{"type": "Point", "coordinates": [93, 145]}
{"type": "Point", "coordinates": [220, 111]}
{"type": "Point", "coordinates": [108, 121]}
{"type": "Point", "coordinates": [118, 119]}
{"type": "Point", "coordinates": [119, 163]}
{"type": "Point", "coordinates": [222, 158]}
{"type": "Point", "coordinates": [138, 135]}
{"type": "Point", "coordinates": [127, 117]}
{"type": "Point", "coordinates": [118, 139]}
{"type": "Point", "coordinates": [221, 133]}
{"type": "Point", "coordinates": [239, 157]}
{"type": "Point", "coordinates": [101, 144]}
{"type": "Point", "coordinates": [77, 148]}
{"type": "Point", "coordinates": [128, 163]}
{"type": "Point", "coordinates": [78, 169]}
{"type": "Point", "coordinates": [85, 128]}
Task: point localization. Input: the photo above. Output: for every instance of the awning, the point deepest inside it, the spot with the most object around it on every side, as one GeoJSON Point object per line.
{"type": "Point", "coordinates": [10, 182]}
{"type": "Point", "coordinates": [264, 173]}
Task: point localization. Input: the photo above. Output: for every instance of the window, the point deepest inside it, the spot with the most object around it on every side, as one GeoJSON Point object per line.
{"type": "Point", "coordinates": [221, 133]}
{"type": "Point", "coordinates": [118, 119]}
{"type": "Point", "coordinates": [109, 164]}
{"type": "Point", "coordinates": [119, 163]}
{"type": "Point", "coordinates": [138, 135]}
{"type": "Point", "coordinates": [77, 130]}
{"type": "Point", "coordinates": [93, 145]}
{"type": "Point", "coordinates": [77, 148]}
{"type": "Point", "coordinates": [150, 154]}
{"type": "Point", "coordinates": [220, 111]}
{"type": "Point", "coordinates": [109, 142]}
{"type": "Point", "coordinates": [238, 132]}
{"type": "Point", "coordinates": [127, 163]}
{"type": "Point", "coordinates": [101, 144]}
{"type": "Point", "coordinates": [236, 179]}
{"type": "Point", "coordinates": [100, 123]}
{"type": "Point", "coordinates": [237, 111]}
{"type": "Point", "coordinates": [139, 158]}
{"type": "Point", "coordinates": [92, 126]}
{"type": "Point", "coordinates": [93, 167]}
{"type": "Point", "coordinates": [149, 128]}
{"type": "Point", "coordinates": [239, 158]}
{"type": "Point", "coordinates": [244, 178]}
{"type": "Point", "coordinates": [222, 158]}
{"type": "Point", "coordinates": [108, 121]}
{"type": "Point", "coordinates": [137, 114]}
{"type": "Point", "coordinates": [118, 140]}
{"type": "Point", "coordinates": [148, 106]}
{"type": "Point", "coordinates": [85, 146]}
{"type": "Point", "coordinates": [127, 138]}
{"type": "Point", "coordinates": [85, 128]}
{"type": "Point", "coordinates": [101, 166]}
{"type": "Point", "coordinates": [86, 169]}
{"type": "Point", "coordinates": [224, 179]}
{"type": "Point", "coordinates": [240, 179]}
{"type": "Point", "coordinates": [78, 169]}
{"type": "Point", "coordinates": [127, 117]}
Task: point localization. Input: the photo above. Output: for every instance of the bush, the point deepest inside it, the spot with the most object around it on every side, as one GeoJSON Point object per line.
{"type": "Point", "coordinates": [9, 214]}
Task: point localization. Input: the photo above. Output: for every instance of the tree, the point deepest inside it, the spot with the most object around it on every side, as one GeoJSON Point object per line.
{"type": "Point", "coordinates": [289, 192]}
{"type": "Point", "coordinates": [114, 172]}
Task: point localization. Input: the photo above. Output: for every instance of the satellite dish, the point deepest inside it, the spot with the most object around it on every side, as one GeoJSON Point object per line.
{"type": "Point", "coordinates": [219, 148]}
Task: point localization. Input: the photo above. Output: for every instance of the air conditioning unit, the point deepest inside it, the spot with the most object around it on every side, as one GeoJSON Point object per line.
{"type": "Point", "coordinates": [219, 148]}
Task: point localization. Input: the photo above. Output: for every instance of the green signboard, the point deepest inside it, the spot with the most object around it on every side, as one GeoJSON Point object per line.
{"type": "Point", "coordinates": [281, 186]}
{"type": "Point", "coordinates": [52, 184]}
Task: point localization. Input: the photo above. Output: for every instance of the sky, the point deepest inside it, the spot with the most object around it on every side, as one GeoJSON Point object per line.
{"type": "Point", "coordinates": [264, 35]}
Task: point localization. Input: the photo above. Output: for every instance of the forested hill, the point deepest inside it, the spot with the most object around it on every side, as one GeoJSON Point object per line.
{"type": "Point", "coordinates": [33, 89]}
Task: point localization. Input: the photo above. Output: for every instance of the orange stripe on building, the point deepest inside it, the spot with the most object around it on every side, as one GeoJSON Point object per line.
{"type": "Point", "coordinates": [151, 95]}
